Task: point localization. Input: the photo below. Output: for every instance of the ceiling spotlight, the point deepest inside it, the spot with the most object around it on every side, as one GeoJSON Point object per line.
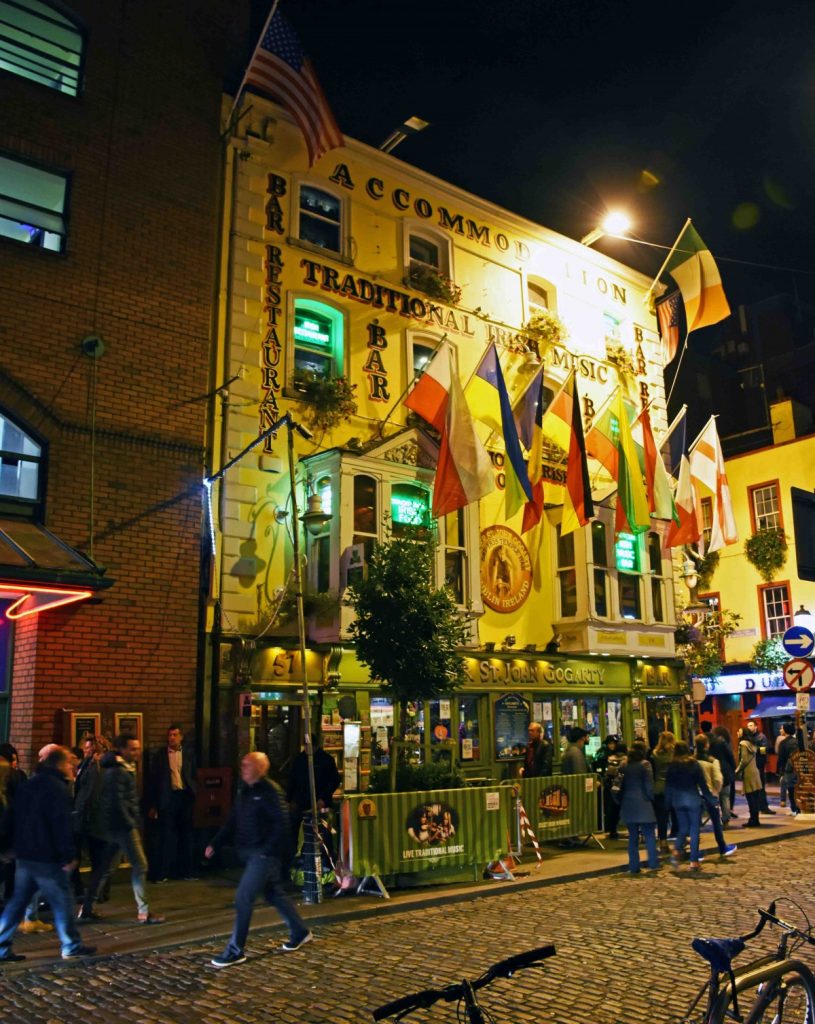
{"type": "Point", "coordinates": [509, 641]}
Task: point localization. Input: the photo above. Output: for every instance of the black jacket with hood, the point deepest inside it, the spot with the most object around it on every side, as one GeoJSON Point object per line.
{"type": "Point", "coordinates": [120, 796]}
{"type": "Point", "coordinates": [43, 831]}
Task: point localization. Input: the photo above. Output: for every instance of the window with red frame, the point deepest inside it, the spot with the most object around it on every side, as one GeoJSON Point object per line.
{"type": "Point", "coordinates": [776, 614]}
{"type": "Point", "coordinates": [765, 507]}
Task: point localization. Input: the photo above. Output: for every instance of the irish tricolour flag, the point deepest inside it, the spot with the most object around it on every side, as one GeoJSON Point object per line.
{"type": "Point", "coordinates": [693, 268]}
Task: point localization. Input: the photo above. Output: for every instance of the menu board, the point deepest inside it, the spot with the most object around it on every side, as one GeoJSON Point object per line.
{"type": "Point", "coordinates": [803, 764]}
{"type": "Point", "coordinates": [511, 717]}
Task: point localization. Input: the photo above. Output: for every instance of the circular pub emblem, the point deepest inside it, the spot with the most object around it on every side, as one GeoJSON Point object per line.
{"type": "Point", "coordinates": [506, 569]}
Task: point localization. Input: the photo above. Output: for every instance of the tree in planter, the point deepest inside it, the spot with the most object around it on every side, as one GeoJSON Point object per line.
{"type": "Point", "coordinates": [700, 644]}
{"type": "Point", "coordinates": [331, 400]}
{"type": "Point", "coordinates": [766, 550]}
{"type": "Point", "coordinates": [769, 655]}
{"type": "Point", "coordinates": [406, 631]}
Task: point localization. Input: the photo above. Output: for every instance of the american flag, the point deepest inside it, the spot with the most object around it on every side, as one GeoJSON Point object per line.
{"type": "Point", "coordinates": [280, 70]}
{"type": "Point", "coordinates": [668, 319]}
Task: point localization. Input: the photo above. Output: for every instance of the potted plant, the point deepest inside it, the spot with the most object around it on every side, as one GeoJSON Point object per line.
{"type": "Point", "coordinates": [701, 644]}
{"type": "Point", "coordinates": [620, 357]}
{"type": "Point", "coordinates": [766, 550]}
{"type": "Point", "coordinates": [331, 399]}
{"type": "Point", "coordinates": [433, 283]}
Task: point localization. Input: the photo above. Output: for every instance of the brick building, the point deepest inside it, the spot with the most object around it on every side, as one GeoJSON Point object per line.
{"type": "Point", "coordinates": [110, 162]}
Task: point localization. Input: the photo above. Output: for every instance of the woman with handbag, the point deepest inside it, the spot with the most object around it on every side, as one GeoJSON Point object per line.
{"type": "Point", "coordinates": [637, 808]}
{"type": "Point", "coordinates": [747, 771]}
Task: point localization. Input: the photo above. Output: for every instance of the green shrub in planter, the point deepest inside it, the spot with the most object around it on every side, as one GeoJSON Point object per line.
{"type": "Point", "coordinates": [415, 778]}
{"type": "Point", "coordinates": [766, 550]}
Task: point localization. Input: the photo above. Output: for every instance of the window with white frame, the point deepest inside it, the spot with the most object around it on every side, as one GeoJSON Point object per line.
{"type": "Point", "coordinates": [601, 594]}
{"type": "Point", "coordinates": [427, 253]}
{"type": "Point", "coordinates": [454, 544]}
{"type": "Point", "coordinates": [20, 469]}
{"type": "Point", "coordinates": [775, 604]}
{"type": "Point", "coordinates": [566, 574]}
{"type": "Point", "coordinates": [628, 559]}
{"type": "Point", "coordinates": [659, 605]}
{"type": "Point", "coordinates": [320, 218]}
{"type": "Point", "coordinates": [33, 204]}
{"type": "Point", "coordinates": [707, 520]}
{"type": "Point", "coordinates": [318, 340]}
{"type": "Point", "coordinates": [322, 542]}
{"type": "Point", "coordinates": [40, 42]}
{"type": "Point", "coordinates": [766, 507]}
{"type": "Point", "coordinates": [537, 297]}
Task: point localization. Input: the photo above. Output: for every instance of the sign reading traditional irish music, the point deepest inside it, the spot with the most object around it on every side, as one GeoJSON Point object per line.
{"type": "Point", "coordinates": [799, 674]}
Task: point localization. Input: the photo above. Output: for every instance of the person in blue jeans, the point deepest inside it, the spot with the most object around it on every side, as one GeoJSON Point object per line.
{"type": "Point", "coordinates": [637, 806]}
{"type": "Point", "coordinates": [258, 826]}
{"type": "Point", "coordinates": [46, 854]}
{"type": "Point", "coordinates": [685, 792]}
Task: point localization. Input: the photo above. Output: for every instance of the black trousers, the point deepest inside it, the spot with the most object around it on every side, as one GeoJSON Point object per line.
{"type": "Point", "coordinates": [176, 836]}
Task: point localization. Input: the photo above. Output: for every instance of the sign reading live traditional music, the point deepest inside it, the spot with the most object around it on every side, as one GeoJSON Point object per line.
{"type": "Point", "coordinates": [506, 569]}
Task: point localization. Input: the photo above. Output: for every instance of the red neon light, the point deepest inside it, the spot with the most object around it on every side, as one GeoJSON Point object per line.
{"type": "Point", "coordinates": [44, 598]}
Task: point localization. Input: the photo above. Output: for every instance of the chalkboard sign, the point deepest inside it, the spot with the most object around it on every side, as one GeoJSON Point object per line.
{"type": "Point", "coordinates": [803, 764]}
{"type": "Point", "coordinates": [511, 726]}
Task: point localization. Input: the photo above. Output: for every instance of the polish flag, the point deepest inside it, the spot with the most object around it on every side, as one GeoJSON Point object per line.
{"type": "Point", "coordinates": [709, 478]}
{"type": "Point", "coordinates": [431, 393]}
{"type": "Point", "coordinates": [686, 531]}
{"type": "Point", "coordinates": [464, 472]}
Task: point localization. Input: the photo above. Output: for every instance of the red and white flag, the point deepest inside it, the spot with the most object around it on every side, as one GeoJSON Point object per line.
{"type": "Point", "coordinates": [279, 69]}
{"type": "Point", "coordinates": [710, 480]}
{"type": "Point", "coordinates": [687, 530]}
{"type": "Point", "coordinates": [464, 472]}
{"type": "Point", "coordinates": [431, 392]}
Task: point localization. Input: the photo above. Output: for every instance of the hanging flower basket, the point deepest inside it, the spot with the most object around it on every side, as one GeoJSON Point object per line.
{"type": "Point", "coordinates": [542, 330]}
{"type": "Point", "coordinates": [620, 357]}
{"type": "Point", "coordinates": [331, 399]}
{"type": "Point", "coordinates": [766, 551]}
{"type": "Point", "coordinates": [769, 655]}
{"type": "Point", "coordinates": [433, 283]}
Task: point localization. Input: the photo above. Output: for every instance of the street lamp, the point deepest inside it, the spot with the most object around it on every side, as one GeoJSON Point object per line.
{"type": "Point", "coordinates": [805, 618]}
{"type": "Point", "coordinates": [615, 223]}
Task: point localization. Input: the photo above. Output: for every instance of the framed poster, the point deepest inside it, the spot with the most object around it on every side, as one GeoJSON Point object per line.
{"type": "Point", "coordinates": [511, 718]}
{"type": "Point", "coordinates": [82, 724]}
{"type": "Point", "coordinates": [129, 722]}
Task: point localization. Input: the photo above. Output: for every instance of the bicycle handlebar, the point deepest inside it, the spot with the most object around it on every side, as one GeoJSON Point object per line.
{"type": "Point", "coordinates": [429, 996]}
{"type": "Point", "coordinates": [769, 915]}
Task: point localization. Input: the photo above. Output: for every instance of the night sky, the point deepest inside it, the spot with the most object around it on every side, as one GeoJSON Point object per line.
{"type": "Point", "coordinates": [559, 111]}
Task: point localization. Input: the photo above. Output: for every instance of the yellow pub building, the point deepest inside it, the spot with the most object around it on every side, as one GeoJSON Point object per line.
{"type": "Point", "coordinates": [358, 268]}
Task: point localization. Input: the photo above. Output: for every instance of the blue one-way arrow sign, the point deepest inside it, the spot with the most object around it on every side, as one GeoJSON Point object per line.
{"type": "Point", "coordinates": [799, 642]}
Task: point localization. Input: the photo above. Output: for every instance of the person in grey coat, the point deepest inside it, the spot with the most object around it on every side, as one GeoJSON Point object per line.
{"type": "Point", "coordinates": [573, 761]}
{"type": "Point", "coordinates": [637, 807]}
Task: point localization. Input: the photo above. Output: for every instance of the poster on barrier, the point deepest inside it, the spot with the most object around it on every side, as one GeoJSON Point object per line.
{"type": "Point", "coordinates": [561, 806]}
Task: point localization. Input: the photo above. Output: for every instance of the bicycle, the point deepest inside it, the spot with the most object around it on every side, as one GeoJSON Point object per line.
{"type": "Point", "coordinates": [464, 991]}
{"type": "Point", "coordinates": [779, 987]}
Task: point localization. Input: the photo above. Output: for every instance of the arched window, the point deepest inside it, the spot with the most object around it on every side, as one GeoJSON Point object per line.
{"type": "Point", "coordinates": [39, 41]}
{"type": "Point", "coordinates": [20, 460]}
{"type": "Point", "coordinates": [318, 335]}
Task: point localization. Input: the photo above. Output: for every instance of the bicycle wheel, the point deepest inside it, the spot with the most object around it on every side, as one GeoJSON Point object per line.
{"type": "Point", "coordinates": [790, 1004]}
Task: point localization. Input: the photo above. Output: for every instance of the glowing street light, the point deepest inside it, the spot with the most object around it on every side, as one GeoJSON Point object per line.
{"type": "Point", "coordinates": [615, 223]}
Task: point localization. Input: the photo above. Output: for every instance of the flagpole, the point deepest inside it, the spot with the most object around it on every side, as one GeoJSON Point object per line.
{"type": "Point", "coordinates": [410, 384]}
{"type": "Point", "coordinates": [698, 437]}
{"type": "Point", "coordinates": [266, 25]}
{"type": "Point", "coordinates": [678, 368]}
{"type": "Point", "coordinates": [673, 424]}
{"type": "Point", "coordinates": [650, 292]}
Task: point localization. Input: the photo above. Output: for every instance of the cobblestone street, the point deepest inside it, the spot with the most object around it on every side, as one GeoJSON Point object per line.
{"type": "Point", "coordinates": [623, 955]}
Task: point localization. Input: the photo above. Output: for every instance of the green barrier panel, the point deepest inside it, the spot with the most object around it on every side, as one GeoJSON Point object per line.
{"type": "Point", "coordinates": [389, 833]}
{"type": "Point", "coordinates": [561, 806]}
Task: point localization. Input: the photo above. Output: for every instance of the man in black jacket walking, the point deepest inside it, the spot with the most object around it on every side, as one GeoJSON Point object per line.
{"type": "Point", "coordinates": [46, 854]}
{"type": "Point", "coordinates": [120, 813]}
{"type": "Point", "coordinates": [258, 826]}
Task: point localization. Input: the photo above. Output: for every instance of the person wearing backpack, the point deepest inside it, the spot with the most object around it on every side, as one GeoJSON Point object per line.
{"type": "Point", "coordinates": [637, 806]}
{"type": "Point", "coordinates": [258, 826]}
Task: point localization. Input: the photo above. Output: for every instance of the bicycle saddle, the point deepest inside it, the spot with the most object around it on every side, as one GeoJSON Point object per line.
{"type": "Point", "coordinates": [719, 953]}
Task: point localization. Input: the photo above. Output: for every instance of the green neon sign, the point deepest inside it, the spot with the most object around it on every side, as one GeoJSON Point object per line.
{"type": "Point", "coordinates": [409, 511]}
{"type": "Point", "coordinates": [627, 553]}
{"type": "Point", "coordinates": [311, 332]}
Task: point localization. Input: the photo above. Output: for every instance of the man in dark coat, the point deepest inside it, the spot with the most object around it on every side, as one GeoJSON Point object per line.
{"type": "Point", "coordinates": [574, 761]}
{"type": "Point", "coordinates": [326, 780]}
{"type": "Point", "coordinates": [539, 753]}
{"type": "Point", "coordinates": [761, 745]}
{"type": "Point", "coordinates": [120, 810]}
{"type": "Point", "coordinates": [46, 854]}
{"type": "Point", "coordinates": [258, 826]}
{"type": "Point", "coordinates": [171, 789]}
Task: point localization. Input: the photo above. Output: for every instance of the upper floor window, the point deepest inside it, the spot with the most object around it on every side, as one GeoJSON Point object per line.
{"type": "Point", "coordinates": [20, 460]}
{"type": "Point", "coordinates": [707, 520]}
{"type": "Point", "coordinates": [410, 509]}
{"type": "Point", "coordinates": [427, 252]}
{"type": "Point", "coordinates": [41, 43]}
{"type": "Point", "coordinates": [775, 606]}
{"type": "Point", "coordinates": [600, 569]}
{"type": "Point", "coordinates": [566, 574]}
{"type": "Point", "coordinates": [765, 507]}
{"type": "Point", "coordinates": [537, 297]}
{"type": "Point", "coordinates": [454, 542]}
{"type": "Point", "coordinates": [320, 218]}
{"type": "Point", "coordinates": [653, 543]}
{"type": "Point", "coordinates": [33, 203]}
{"type": "Point", "coordinates": [318, 336]}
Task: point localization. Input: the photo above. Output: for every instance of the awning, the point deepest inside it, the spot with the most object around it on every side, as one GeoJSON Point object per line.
{"type": "Point", "coordinates": [39, 571]}
{"type": "Point", "coordinates": [779, 707]}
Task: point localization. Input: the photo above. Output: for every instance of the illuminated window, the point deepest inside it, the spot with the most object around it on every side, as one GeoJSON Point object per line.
{"type": "Point", "coordinates": [366, 515]}
{"type": "Point", "coordinates": [33, 203]}
{"type": "Point", "coordinates": [566, 574]}
{"type": "Point", "coordinates": [537, 297]}
{"type": "Point", "coordinates": [455, 554]}
{"type": "Point", "coordinates": [38, 41]}
{"type": "Point", "coordinates": [766, 507]}
{"type": "Point", "coordinates": [322, 543]}
{"type": "Point", "coordinates": [630, 596]}
{"type": "Point", "coordinates": [318, 334]}
{"type": "Point", "coordinates": [775, 604]}
{"type": "Point", "coordinates": [410, 509]}
{"type": "Point", "coordinates": [611, 325]}
{"type": "Point", "coordinates": [320, 218]}
{"type": "Point", "coordinates": [20, 462]}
